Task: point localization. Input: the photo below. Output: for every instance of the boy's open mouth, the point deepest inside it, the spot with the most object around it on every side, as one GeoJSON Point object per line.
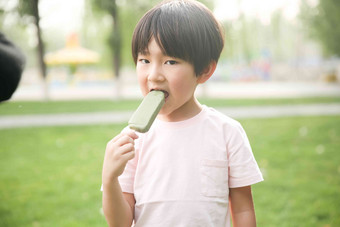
{"type": "Point", "coordinates": [166, 94]}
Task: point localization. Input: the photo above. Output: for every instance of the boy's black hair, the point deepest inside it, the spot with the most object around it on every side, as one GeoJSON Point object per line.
{"type": "Point", "coordinates": [184, 29]}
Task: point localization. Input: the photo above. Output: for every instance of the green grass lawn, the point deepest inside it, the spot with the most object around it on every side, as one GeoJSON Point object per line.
{"type": "Point", "coordinates": [36, 107]}
{"type": "Point", "coordinates": [51, 176]}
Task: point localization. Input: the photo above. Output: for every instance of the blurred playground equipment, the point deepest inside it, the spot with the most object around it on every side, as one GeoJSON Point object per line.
{"type": "Point", "coordinates": [72, 55]}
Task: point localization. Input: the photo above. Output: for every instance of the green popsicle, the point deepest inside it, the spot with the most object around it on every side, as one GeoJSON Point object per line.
{"type": "Point", "coordinates": [144, 116]}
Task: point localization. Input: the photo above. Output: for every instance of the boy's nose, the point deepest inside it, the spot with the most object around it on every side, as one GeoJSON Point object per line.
{"type": "Point", "coordinates": [156, 74]}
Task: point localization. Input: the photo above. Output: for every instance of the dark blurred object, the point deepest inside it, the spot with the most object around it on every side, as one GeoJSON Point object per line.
{"type": "Point", "coordinates": [12, 63]}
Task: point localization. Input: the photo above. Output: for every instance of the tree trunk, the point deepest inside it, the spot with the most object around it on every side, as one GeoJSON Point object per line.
{"type": "Point", "coordinates": [116, 49]}
{"type": "Point", "coordinates": [40, 48]}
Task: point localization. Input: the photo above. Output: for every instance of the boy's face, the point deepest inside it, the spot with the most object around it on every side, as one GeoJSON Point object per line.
{"type": "Point", "coordinates": [174, 76]}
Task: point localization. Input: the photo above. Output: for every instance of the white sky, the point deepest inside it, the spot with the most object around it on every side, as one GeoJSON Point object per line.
{"type": "Point", "coordinates": [65, 15]}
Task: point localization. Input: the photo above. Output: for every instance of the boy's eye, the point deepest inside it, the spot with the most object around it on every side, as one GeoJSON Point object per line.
{"type": "Point", "coordinates": [144, 61]}
{"type": "Point", "coordinates": [171, 62]}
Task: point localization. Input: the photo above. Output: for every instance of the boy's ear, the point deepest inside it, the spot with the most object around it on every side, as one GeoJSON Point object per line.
{"type": "Point", "coordinates": [207, 73]}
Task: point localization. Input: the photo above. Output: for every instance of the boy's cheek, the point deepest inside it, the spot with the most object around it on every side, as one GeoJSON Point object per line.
{"type": "Point", "coordinates": [143, 85]}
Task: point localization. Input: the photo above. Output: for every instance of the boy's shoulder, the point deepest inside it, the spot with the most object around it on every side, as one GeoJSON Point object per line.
{"type": "Point", "coordinates": [219, 117]}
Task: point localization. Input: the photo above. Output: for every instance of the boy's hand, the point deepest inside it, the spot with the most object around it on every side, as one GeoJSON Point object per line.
{"type": "Point", "coordinates": [118, 152]}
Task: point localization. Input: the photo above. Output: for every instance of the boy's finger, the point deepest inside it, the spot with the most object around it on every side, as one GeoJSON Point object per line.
{"type": "Point", "coordinates": [126, 148]}
{"type": "Point", "coordinates": [125, 139]}
{"type": "Point", "coordinates": [131, 133]}
{"type": "Point", "coordinates": [116, 138]}
{"type": "Point", "coordinates": [129, 155]}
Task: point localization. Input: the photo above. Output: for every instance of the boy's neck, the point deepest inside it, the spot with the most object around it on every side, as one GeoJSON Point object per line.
{"type": "Point", "coordinates": [186, 111]}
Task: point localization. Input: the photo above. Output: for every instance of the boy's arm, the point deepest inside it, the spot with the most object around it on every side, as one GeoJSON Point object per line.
{"type": "Point", "coordinates": [118, 206]}
{"type": "Point", "coordinates": [242, 207]}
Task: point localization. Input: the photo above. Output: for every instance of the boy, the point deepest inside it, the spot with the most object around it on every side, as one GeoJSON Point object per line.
{"type": "Point", "coordinates": [194, 162]}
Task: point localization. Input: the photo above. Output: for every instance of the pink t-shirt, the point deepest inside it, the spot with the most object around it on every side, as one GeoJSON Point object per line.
{"type": "Point", "coordinates": [182, 171]}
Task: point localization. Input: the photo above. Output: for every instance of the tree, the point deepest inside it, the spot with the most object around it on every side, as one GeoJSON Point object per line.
{"type": "Point", "coordinates": [115, 40]}
{"type": "Point", "coordinates": [323, 22]}
{"type": "Point", "coordinates": [110, 6]}
{"type": "Point", "coordinates": [30, 9]}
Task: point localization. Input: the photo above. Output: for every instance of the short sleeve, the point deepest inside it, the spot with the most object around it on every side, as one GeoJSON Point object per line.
{"type": "Point", "coordinates": [243, 168]}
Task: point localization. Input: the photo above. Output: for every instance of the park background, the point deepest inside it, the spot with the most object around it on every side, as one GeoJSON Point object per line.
{"type": "Point", "coordinates": [278, 54]}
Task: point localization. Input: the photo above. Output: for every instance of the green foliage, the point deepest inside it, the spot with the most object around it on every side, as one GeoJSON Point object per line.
{"type": "Point", "coordinates": [248, 38]}
{"type": "Point", "coordinates": [106, 5]}
{"type": "Point", "coordinates": [26, 9]}
{"type": "Point", "coordinates": [322, 23]}
{"type": "Point", "coordinates": [13, 23]}
{"type": "Point", "coordinates": [2, 13]}
{"type": "Point", "coordinates": [96, 32]}
{"type": "Point", "coordinates": [114, 38]}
